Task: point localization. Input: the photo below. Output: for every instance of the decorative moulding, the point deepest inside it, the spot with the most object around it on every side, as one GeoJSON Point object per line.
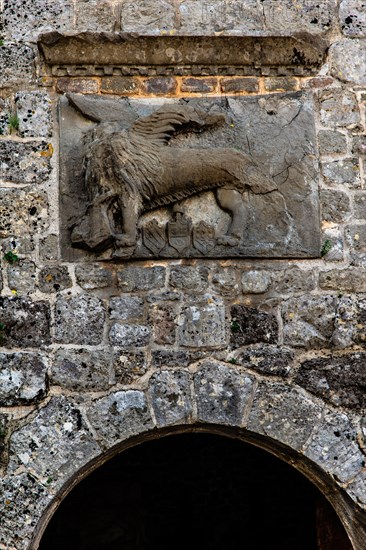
{"type": "Point", "coordinates": [98, 54]}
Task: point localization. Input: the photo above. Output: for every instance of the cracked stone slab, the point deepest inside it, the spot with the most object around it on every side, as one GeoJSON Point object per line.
{"type": "Point", "coordinates": [276, 132]}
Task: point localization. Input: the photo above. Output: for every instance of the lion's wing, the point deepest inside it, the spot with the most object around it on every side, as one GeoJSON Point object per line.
{"type": "Point", "coordinates": [160, 125]}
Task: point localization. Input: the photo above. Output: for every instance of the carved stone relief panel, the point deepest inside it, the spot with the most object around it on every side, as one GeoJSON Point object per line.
{"type": "Point", "coordinates": [208, 177]}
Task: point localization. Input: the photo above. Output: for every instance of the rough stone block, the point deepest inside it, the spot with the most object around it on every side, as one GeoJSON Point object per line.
{"type": "Point", "coordinates": [335, 206]}
{"type": "Point", "coordinates": [339, 108]}
{"type": "Point", "coordinates": [129, 366]}
{"type": "Point", "coordinates": [352, 15]}
{"type": "Point", "coordinates": [159, 85]}
{"type": "Point", "coordinates": [283, 413]}
{"type": "Point", "coordinates": [120, 85]}
{"type": "Point", "coordinates": [356, 237]}
{"type": "Point", "coordinates": [129, 335]}
{"type": "Point", "coordinates": [222, 394]}
{"type": "Point", "coordinates": [21, 277]}
{"type": "Point", "coordinates": [48, 248]}
{"type": "Point", "coordinates": [332, 142]}
{"type": "Point", "coordinates": [81, 370]}
{"type": "Point", "coordinates": [280, 84]}
{"type": "Point", "coordinates": [333, 245]}
{"type": "Point", "coordinates": [17, 64]}
{"type": "Point", "coordinates": [162, 317]}
{"type": "Point", "coordinates": [126, 308]}
{"type": "Point", "coordinates": [189, 278]}
{"type": "Point", "coordinates": [309, 321]}
{"type": "Point", "coordinates": [359, 145]}
{"type": "Point", "coordinates": [34, 114]}
{"type": "Point", "coordinates": [307, 16]}
{"type": "Point", "coordinates": [170, 394]}
{"type": "Point", "coordinates": [147, 16]}
{"type": "Point", "coordinates": [347, 61]}
{"type": "Point", "coordinates": [202, 322]}
{"type": "Point", "coordinates": [22, 379]}
{"type": "Point", "coordinates": [333, 446]}
{"type": "Point", "coordinates": [95, 15]}
{"type": "Point", "coordinates": [199, 85]}
{"type": "Point", "coordinates": [132, 279]}
{"type": "Point", "coordinates": [359, 205]}
{"type": "Point", "coordinates": [255, 281]}
{"type": "Point", "coordinates": [339, 380]}
{"type": "Point", "coordinates": [357, 489]}
{"type": "Point", "coordinates": [342, 172]}
{"type": "Point", "coordinates": [60, 429]}
{"type": "Point", "coordinates": [225, 281]}
{"type": "Point", "coordinates": [251, 326]}
{"type": "Point", "coordinates": [77, 85]}
{"type": "Point", "coordinates": [22, 213]}
{"type": "Point", "coordinates": [266, 359]}
{"type": "Point", "coordinates": [171, 358]}
{"type": "Point", "coordinates": [239, 85]}
{"type": "Point", "coordinates": [90, 277]}
{"type": "Point", "coordinates": [79, 320]}
{"type": "Point", "coordinates": [350, 325]}
{"type": "Point", "coordinates": [25, 162]}
{"type": "Point", "coordinates": [26, 323]}
{"type": "Point", "coordinates": [36, 17]}
{"type": "Point", "coordinates": [292, 280]}
{"type": "Point", "coordinates": [218, 16]}
{"type": "Point", "coordinates": [120, 416]}
{"type": "Point", "coordinates": [54, 279]}
{"type": "Point", "coordinates": [352, 279]}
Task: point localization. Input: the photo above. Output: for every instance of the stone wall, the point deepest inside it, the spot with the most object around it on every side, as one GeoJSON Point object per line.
{"type": "Point", "coordinates": [93, 354]}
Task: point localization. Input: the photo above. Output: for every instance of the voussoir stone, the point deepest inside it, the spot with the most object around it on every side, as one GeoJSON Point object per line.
{"type": "Point", "coordinates": [170, 394]}
{"type": "Point", "coordinates": [333, 446]}
{"type": "Point", "coordinates": [79, 320]}
{"type": "Point", "coordinates": [222, 394]}
{"type": "Point", "coordinates": [54, 445]}
{"type": "Point", "coordinates": [120, 416]}
{"type": "Point", "coordinates": [283, 413]}
{"type": "Point", "coordinates": [23, 501]}
{"type": "Point", "coordinates": [23, 379]}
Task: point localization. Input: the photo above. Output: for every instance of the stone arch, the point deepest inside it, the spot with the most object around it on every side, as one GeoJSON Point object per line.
{"type": "Point", "coordinates": [319, 441]}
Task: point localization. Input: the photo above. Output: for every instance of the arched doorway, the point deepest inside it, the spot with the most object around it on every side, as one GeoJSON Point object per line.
{"type": "Point", "coordinates": [196, 489]}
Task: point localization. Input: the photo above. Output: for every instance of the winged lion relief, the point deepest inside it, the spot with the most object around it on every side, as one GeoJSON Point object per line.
{"type": "Point", "coordinates": [214, 178]}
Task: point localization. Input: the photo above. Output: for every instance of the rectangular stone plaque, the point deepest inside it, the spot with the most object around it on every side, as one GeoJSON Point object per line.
{"type": "Point", "coordinates": [210, 177]}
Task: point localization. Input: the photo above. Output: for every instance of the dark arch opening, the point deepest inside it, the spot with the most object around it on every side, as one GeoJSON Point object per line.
{"type": "Point", "coordinates": [195, 490]}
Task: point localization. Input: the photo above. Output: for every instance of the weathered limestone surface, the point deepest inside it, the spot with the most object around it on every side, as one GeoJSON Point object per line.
{"type": "Point", "coordinates": [22, 379]}
{"type": "Point", "coordinates": [96, 350]}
